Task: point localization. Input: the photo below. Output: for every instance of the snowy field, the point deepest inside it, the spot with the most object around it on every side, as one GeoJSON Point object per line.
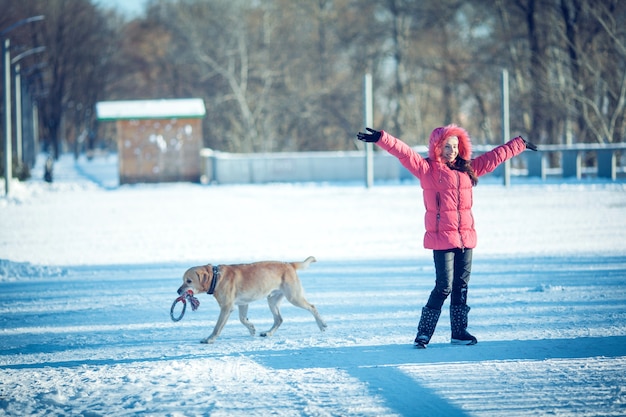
{"type": "Point", "coordinates": [89, 270]}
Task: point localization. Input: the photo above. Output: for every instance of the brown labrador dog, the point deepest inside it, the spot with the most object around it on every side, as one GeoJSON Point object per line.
{"type": "Point", "coordinates": [244, 283]}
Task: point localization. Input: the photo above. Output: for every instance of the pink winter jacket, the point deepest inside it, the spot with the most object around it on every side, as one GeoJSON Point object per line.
{"type": "Point", "coordinates": [448, 193]}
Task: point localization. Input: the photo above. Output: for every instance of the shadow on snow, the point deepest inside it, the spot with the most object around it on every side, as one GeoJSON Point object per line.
{"type": "Point", "coordinates": [379, 367]}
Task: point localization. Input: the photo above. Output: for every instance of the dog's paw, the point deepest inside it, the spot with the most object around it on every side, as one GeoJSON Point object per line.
{"type": "Point", "coordinates": [207, 341]}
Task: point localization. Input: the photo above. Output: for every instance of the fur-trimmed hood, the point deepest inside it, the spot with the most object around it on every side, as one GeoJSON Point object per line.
{"type": "Point", "coordinates": [438, 137]}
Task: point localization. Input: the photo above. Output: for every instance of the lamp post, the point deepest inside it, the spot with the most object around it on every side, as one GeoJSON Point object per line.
{"type": "Point", "coordinates": [18, 98]}
{"type": "Point", "coordinates": [368, 112]}
{"type": "Point", "coordinates": [6, 54]}
{"type": "Point", "coordinates": [18, 114]}
{"type": "Point", "coordinates": [8, 152]}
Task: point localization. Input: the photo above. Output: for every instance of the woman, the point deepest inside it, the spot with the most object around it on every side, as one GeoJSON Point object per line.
{"type": "Point", "coordinates": [447, 176]}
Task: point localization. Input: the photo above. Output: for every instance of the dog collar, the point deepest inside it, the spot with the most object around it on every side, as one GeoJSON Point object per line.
{"type": "Point", "coordinates": [216, 273]}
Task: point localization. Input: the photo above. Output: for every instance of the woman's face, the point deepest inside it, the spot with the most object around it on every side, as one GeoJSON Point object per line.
{"type": "Point", "coordinates": [451, 149]}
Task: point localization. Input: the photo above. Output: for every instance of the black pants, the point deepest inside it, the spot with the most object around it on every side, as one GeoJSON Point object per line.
{"type": "Point", "coordinates": [452, 270]}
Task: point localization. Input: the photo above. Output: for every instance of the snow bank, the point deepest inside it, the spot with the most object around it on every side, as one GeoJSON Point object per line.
{"type": "Point", "coordinates": [10, 271]}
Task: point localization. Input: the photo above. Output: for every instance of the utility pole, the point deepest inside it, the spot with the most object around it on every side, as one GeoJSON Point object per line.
{"type": "Point", "coordinates": [369, 120]}
{"type": "Point", "coordinates": [506, 132]}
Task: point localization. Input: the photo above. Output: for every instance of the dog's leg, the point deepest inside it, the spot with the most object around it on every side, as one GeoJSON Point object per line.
{"type": "Point", "coordinates": [295, 295]}
{"type": "Point", "coordinates": [221, 321]}
{"type": "Point", "coordinates": [273, 300]}
{"type": "Point", "coordinates": [243, 317]}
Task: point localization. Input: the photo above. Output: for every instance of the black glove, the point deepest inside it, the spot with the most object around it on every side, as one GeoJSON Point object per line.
{"type": "Point", "coordinates": [529, 145]}
{"type": "Point", "coordinates": [373, 136]}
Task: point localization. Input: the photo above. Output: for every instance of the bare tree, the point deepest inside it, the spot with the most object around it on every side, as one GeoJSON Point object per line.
{"type": "Point", "coordinates": [594, 38]}
{"type": "Point", "coordinates": [271, 72]}
{"type": "Point", "coordinates": [443, 67]}
{"type": "Point", "coordinates": [318, 47]}
{"type": "Point", "coordinates": [284, 75]}
{"type": "Point", "coordinates": [569, 70]}
{"type": "Point", "coordinates": [76, 36]}
{"type": "Point", "coordinates": [214, 37]}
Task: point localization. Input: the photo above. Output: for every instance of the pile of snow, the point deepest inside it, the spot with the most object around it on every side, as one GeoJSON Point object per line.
{"type": "Point", "coordinates": [17, 270]}
{"type": "Point", "coordinates": [89, 270]}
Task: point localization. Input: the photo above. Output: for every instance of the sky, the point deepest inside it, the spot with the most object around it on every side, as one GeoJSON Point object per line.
{"type": "Point", "coordinates": [129, 7]}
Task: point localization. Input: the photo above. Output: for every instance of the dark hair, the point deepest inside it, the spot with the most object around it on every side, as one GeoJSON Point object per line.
{"type": "Point", "coordinates": [463, 165]}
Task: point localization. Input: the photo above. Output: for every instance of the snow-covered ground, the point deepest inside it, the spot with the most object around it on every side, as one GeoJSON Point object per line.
{"type": "Point", "coordinates": [89, 270]}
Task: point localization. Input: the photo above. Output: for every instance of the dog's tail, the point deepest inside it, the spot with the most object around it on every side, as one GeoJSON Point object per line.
{"type": "Point", "coordinates": [305, 263]}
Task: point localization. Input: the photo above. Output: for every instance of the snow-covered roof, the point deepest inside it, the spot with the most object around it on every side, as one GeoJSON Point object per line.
{"type": "Point", "coordinates": [150, 109]}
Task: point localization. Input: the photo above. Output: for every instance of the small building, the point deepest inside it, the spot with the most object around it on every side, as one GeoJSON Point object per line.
{"type": "Point", "coordinates": [157, 140]}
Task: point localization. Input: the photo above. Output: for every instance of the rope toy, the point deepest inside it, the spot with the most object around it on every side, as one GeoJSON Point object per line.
{"type": "Point", "coordinates": [188, 295]}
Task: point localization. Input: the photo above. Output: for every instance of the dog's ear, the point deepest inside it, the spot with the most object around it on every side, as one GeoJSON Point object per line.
{"type": "Point", "coordinates": [204, 274]}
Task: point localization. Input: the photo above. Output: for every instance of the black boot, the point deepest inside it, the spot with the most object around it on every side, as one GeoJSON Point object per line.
{"type": "Point", "coordinates": [426, 327]}
{"type": "Point", "coordinates": [458, 324]}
